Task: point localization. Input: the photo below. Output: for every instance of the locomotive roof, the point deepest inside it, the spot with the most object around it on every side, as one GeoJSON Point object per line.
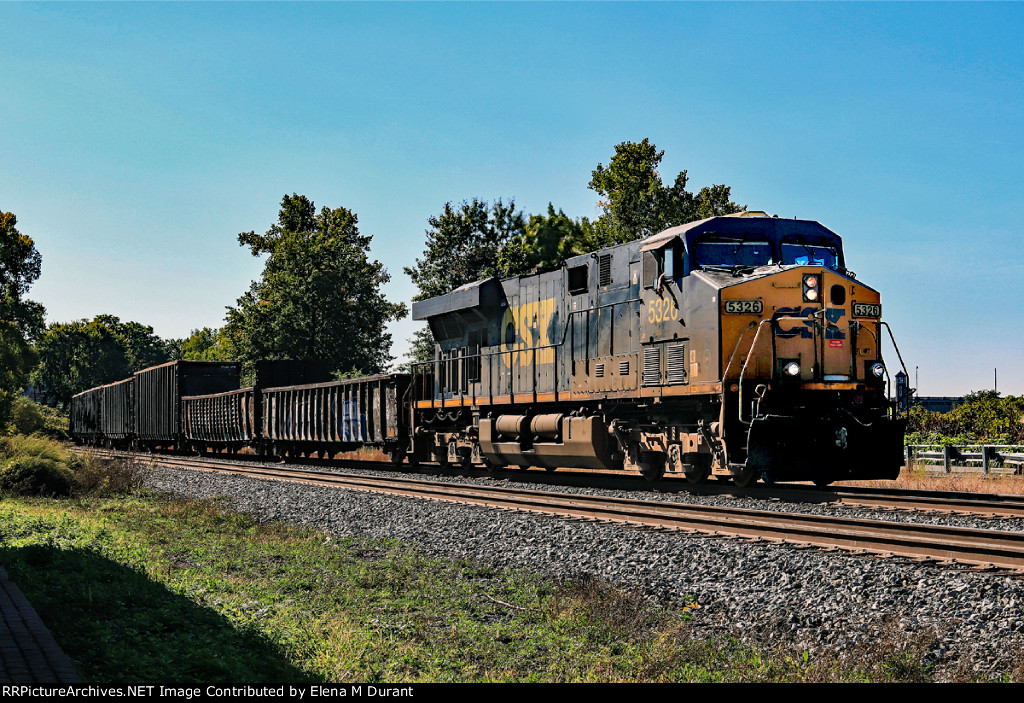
{"type": "Point", "coordinates": [772, 229]}
{"type": "Point", "coordinates": [484, 296]}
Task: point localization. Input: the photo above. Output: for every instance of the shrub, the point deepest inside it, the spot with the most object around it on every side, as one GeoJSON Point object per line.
{"type": "Point", "coordinates": [36, 476]}
{"type": "Point", "coordinates": [983, 417]}
{"type": "Point", "coordinates": [37, 466]}
{"type": "Point", "coordinates": [109, 477]}
{"type": "Point", "coordinates": [28, 417]}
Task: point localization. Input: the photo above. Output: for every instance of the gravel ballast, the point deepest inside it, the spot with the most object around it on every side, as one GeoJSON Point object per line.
{"type": "Point", "coordinates": [810, 598]}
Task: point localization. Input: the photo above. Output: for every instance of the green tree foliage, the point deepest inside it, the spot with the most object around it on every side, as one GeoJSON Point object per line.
{"type": "Point", "coordinates": [205, 344]}
{"type": "Point", "coordinates": [21, 320]}
{"type": "Point", "coordinates": [76, 356]}
{"type": "Point", "coordinates": [319, 295]}
{"type": "Point", "coordinates": [983, 417]}
{"type": "Point", "coordinates": [637, 204]}
{"type": "Point", "coordinates": [463, 245]}
{"type": "Point", "coordinates": [141, 346]}
{"type": "Point", "coordinates": [545, 242]}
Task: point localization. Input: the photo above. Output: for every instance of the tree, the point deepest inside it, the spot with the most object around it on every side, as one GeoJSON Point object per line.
{"type": "Point", "coordinates": [545, 242]}
{"type": "Point", "coordinates": [637, 204]}
{"type": "Point", "coordinates": [141, 346]}
{"type": "Point", "coordinates": [463, 245]}
{"type": "Point", "coordinates": [76, 356]}
{"type": "Point", "coordinates": [21, 320]}
{"type": "Point", "coordinates": [318, 296]}
{"type": "Point", "coordinates": [206, 344]}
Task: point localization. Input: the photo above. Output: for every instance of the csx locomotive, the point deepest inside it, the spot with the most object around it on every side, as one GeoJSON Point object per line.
{"type": "Point", "coordinates": [737, 346]}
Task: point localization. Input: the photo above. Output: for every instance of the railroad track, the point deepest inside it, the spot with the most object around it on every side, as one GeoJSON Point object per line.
{"type": "Point", "coordinates": [977, 504]}
{"type": "Point", "coordinates": [969, 546]}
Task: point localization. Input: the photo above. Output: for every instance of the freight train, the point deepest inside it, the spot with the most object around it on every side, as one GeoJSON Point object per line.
{"type": "Point", "coordinates": [738, 346]}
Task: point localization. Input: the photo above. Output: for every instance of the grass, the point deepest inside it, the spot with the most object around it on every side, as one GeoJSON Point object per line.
{"type": "Point", "coordinates": [144, 588]}
{"type": "Point", "coordinates": [917, 478]}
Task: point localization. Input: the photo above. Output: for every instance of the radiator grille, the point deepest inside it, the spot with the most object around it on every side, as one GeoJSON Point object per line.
{"type": "Point", "coordinates": [598, 370]}
{"type": "Point", "coordinates": [604, 266]}
{"type": "Point", "coordinates": [652, 366]}
{"type": "Point", "coordinates": [623, 368]}
{"type": "Point", "coordinates": [675, 363]}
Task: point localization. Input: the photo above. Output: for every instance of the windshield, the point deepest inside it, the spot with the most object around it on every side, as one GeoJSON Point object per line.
{"type": "Point", "coordinates": [809, 254]}
{"type": "Point", "coordinates": [722, 251]}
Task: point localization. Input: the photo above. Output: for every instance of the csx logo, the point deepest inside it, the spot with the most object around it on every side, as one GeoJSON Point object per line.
{"type": "Point", "coordinates": [806, 331]}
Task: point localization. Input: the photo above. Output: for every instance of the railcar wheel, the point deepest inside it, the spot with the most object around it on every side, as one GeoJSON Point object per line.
{"type": "Point", "coordinates": [698, 476]}
{"type": "Point", "coordinates": [652, 465]}
{"type": "Point", "coordinates": [745, 477]}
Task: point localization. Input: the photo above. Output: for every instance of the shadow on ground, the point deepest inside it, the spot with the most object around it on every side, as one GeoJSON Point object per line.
{"type": "Point", "coordinates": [124, 627]}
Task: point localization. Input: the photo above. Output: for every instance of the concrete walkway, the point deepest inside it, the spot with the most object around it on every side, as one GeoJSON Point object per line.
{"type": "Point", "coordinates": [28, 652]}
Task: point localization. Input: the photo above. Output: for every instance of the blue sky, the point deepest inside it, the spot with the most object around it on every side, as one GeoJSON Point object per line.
{"type": "Point", "coordinates": [137, 140]}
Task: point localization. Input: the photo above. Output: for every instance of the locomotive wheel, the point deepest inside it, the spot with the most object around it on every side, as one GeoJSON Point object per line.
{"type": "Point", "coordinates": [745, 477]}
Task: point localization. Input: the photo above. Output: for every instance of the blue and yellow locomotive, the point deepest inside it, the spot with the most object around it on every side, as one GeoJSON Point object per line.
{"type": "Point", "coordinates": [738, 346]}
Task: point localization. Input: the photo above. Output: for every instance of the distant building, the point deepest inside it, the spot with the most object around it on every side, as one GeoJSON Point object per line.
{"type": "Point", "coordinates": [36, 394]}
{"type": "Point", "coordinates": [936, 403]}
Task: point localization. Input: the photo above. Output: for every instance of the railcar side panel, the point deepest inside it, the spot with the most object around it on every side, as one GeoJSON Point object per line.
{"type": "Point", "coordinates": [222, 419]}
{"type": "Point", "coordinates": [117, 420]}
{"type": "Point", "coordinates": [339, 415]}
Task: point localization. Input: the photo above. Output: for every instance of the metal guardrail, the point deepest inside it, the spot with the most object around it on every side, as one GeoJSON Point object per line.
{"type": "Point", "coordinates": [1005, 458]}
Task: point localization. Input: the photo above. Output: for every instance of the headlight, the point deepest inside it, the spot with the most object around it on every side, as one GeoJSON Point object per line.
{"type": "Point", "coordinates": [877, 369]}
{"type": "Point", "coordinates": [792, 369]}
{"type": "Point", "coordinates": [811, 287]}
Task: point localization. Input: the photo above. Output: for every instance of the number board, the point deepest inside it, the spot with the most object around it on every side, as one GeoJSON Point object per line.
{"type": "Point", "coordinates": [867, 310]}
{"type": "Point", "coordinates": [744, 307]}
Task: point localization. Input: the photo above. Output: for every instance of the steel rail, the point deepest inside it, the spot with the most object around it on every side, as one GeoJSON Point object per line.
{"type": "Point", "coordinates": [991, 548]}
{"type": "Point", "coordinates": [957, 503]}
{"type": "Point", "coordinates": [979, 504]}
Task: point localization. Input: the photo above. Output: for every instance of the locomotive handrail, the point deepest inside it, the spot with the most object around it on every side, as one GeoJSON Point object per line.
{"type": "Point", "coordinates": [728, 365]}
{"type": "Point", "coordinates": [435, 363]}
{"type": "Point", "coordinates": [892, 338]}
{"type": "Point", "coordinates": [750, 349]}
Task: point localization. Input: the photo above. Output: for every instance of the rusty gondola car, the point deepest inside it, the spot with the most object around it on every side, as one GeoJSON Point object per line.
{"type": "Point", "coordinates": [85, 416]}
{"type": "Point", "coordinates": [117, 416]}
{"type": "Point", "coordinates": [326, 418]}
